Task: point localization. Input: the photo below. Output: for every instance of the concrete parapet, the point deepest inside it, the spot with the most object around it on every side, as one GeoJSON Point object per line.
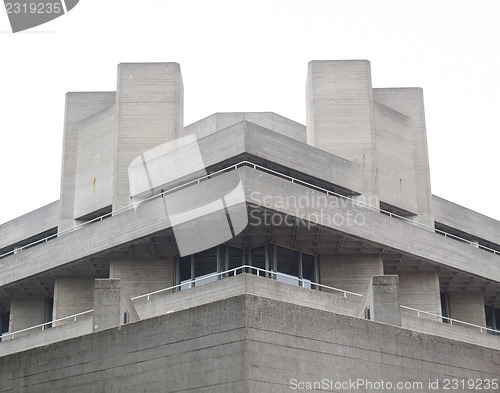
{"type": "Point", "coordinates": [247, 344]}
{"type": "Point", "coordinates": [25, 228]}
{"type": "Point", "coordinates": [269, 120]}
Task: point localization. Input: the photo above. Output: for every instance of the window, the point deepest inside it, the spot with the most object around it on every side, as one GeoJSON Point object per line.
{"type": "Point", "coordinates": [492, 318]}
{"type": "Point", "coordinates": [4, 324]}
{"type": "Point", "coordinates": [445, 309]}
{"type": "Point", "coordinates": [295, 267]}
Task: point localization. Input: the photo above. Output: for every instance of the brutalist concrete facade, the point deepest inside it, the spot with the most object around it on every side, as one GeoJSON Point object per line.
{"type": "Point", "coordinates": [361, 267]}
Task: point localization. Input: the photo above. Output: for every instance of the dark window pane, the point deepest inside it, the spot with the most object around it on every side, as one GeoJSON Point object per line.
{"type": "Point", "coordinates": [185, 271]}
{"type": "Point", "coordinates": [307, 269]}
{"type": "Point", "coordinates": [444, 307]}
{"type": "Point", "coordinates": [288, 265]}
{"type": "Point", "coordinates": [235, 255]}
{"type": "Point", "coordinates": [5, 322]}
{"type": "Point", "coordinates": [258, 259]}
{"type": "Point", "coordinates": [488, 310]}
{"type": "Point", "coordinates": [205, 264]}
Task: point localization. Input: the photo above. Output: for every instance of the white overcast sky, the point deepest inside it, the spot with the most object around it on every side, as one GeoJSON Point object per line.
{"type": "Point", "coordinates": [252, 56]}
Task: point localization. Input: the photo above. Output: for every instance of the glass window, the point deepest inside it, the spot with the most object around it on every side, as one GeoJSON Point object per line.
{"type": "Point", "coordinates": [307, 269]}
{"type": "Point", "coordinates": [259, 259]}
{"type": "Point", "coordinates": [288, 265]}
{"type": "Point", "coordinates": [490, 322]}
{"type": "Point", "coordinates": [497, 319]}
{"type": "Point", "coordinates": [185, 272]}
{"type": "Point", "coordinates": [445, 311]}
{"type": "Point", "coordinates": [205, 265]}
{"type": "Point", "coordinates": [4, 323]}
{"type": "Point", "coordinates": [235, 255]}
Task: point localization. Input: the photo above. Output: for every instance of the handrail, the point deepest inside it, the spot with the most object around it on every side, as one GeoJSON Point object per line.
{"type": "Point", "coordinates": [255, 167]}
{"type": "Point", "coordinates": [243, 267]}
{"type": "Point", "coordinates": [148, 295]}
{"type": "Point", "coordinates": [265, 273]}
{"type": "Point", "coordinates": [451, 319]}
{"type": "Point", "coordinates": [43, 325]}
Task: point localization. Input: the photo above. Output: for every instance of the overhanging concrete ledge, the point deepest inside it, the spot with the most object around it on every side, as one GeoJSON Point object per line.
{"type": "Point", "coordinates": [393, 233]}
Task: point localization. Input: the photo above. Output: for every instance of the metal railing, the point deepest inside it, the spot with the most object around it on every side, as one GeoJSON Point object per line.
{"type": "Point", "coordinates": [45, 325]}
{"type": "Point", "coordinates": [243, 269]}
{"type": "Point", "coordinates": [260, 273]}
{"type": "Point", "coordinates": [227, 273]}
{"type": "Point", "coordinates": [264, 169]}
{"type": "Point", "coordinates": [451, 320]}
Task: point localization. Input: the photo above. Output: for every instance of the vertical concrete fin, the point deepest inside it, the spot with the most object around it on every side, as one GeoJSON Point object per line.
{"type": "Point", "coordinates": [112, 306]}
{"type": "Point", "coordinates": [149, 112]}
{"type": "Point", "coordinates": [381, 300]}
{"type": "Point", "coordinates": [340, 117]}
{"type": "Point", "coordinates": [402, 151]}
{"type": "Point", "coordinates": [79, 106]}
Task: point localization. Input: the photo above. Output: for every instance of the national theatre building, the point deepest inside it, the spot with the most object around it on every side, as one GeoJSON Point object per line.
{"type": "Point", "coordinates": [247, 252]}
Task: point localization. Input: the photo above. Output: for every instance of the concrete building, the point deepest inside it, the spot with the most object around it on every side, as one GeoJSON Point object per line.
{"type": "Point", "coordinates": [247, 252]}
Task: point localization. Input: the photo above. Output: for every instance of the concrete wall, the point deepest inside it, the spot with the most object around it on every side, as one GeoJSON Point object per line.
{"type": "Point", "coordinates": [377, 229]}
{"type": "Point", "coordinates": [166, 354]}
{"type": "Point", "coordinates": [340, 116]}
{"type": "Point", "coordinates": [141, 276]}
{"type": "Point", "coordinates": [241, 284]}
{"type": "Point", "coordinates": [38, 338]}
{"type": "Point", "coordinates": [465, 220]}
{"type": "Point", "coordinates": [242, 344]}
{"type": "Point", "coordinates": [420, 290]}
{"type": "Point", "coordinates": [164, 303]}
{"type": "Point", "coordinates": [269, 120]}
{"type": "Point", "coordinates": [426, 324]}
{"type": "Point", "coordinates": [79, 106]}
{"type": "Point", "coordinates": [149, 112]}
{"type": "Point", "coordinates": [350, 273]}
{"type": "Point", "coordinates": [381, 300]}
{"type": "Point", "coordinates": [72, 295]}
{"type": "Point", "coordinates": [339, 109]}
{"type": "Point", "coordinates": [314, 345]}
{"type": "Point", "coordinates": [29, 225]}
{"type": "Point", "coordinates": [388, 232]}
{"type": "Point", "coordinates": [403, 159]}
{"type": "Point", "coordinates": [467, 306]}
{"type": "Point", "coordinates": [383, 130]}
{"type": "Point", "coordinates": [104, 132]}
{"type": "Point", "coordinates": [95, 163]}
{"type": "Point", "coordinates": [26, 312]}
{"type": "Point", "coordinates": [255, 140]}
